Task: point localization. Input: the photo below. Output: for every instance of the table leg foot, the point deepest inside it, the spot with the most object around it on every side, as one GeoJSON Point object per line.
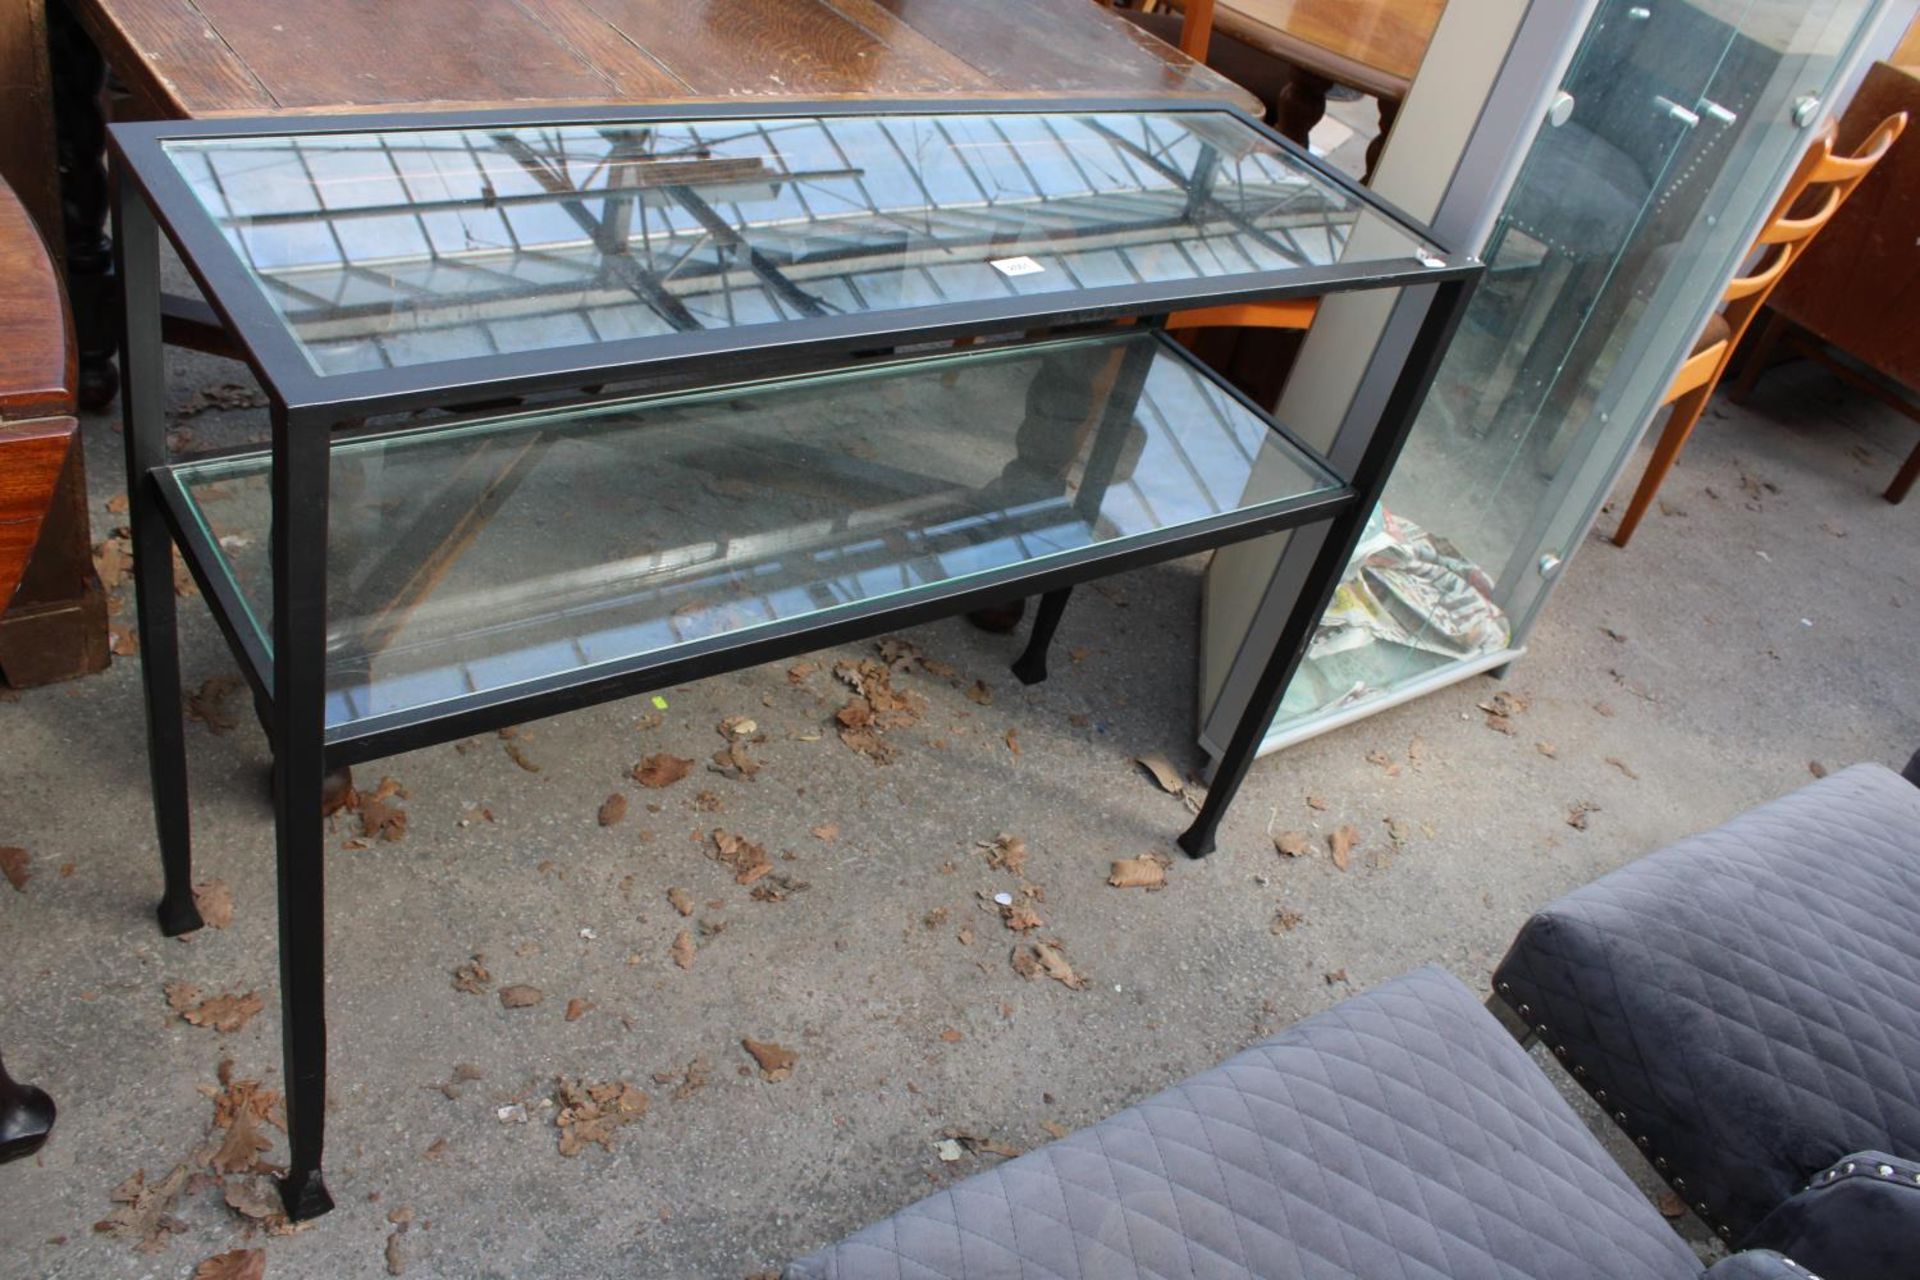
{"type": "Point", "coordinates": [26, 1118]}
{"type": "Point", "coordinates": [1197, 840]}
{"type": "Point", "coordinates": [1031, 666]}
{"type": "Point", "coordinates": [179, 915]}
{"type": "Point", "coordinates": [305, 1195]}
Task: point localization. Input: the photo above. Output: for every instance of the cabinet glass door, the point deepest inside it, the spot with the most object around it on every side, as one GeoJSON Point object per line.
{"type": "Point", "coordinates": [1674, 122]}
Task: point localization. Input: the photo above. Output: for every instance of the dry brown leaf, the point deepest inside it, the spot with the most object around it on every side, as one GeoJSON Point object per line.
{"type": "Point", "coordinates": [578, 1008]}
{"type": "Point", "coordinates": [1624, 767]}
{"type": "Point", "coordinates": [826, 832]}
{"type": "Point", "coordinates": [1053, 960]}
{"type": "Point", "coordinates": [1316, 802]}
{"type": "Point", "coordinates": [661, 770]}
{"type": "Point", "coordinates": [776, 1061]}
{"type": "Point", "coordinates": [980, 693]}
{"type": "Point", "coordinates": [612, 809]}
{"type": "Point", "coordinates": [682, 901]}
{"type": "Point", "coordinates": [521, 996]}
{"type": "Point", "coordinates": [224, 1012]}
{"type": "Point", "coordinates": [738, 727]}
{"type": "Point", "coordinates": [380, 819]}
{"type": "Point", "coordinates": [1163, 772]}
{"type": "Point", "coordinates": [520, 757]}
{"type": "Point", "coordinates": [799, 671]}
{"type": "Point", "coordinates": [1398, 830]}
{"type": "Point", "coordinates": [978, 1145]}
{"type": "Point", "coordinates": [593, 1113]}
{"type": "Point", "coordinates": [1020, 917]}
{"type": "Point", "coordinates": [123, 641]}
{"type": "Point", "coordinates": [1055, 1129]}
{"type": "Point", "coordinates": [952, 1035]}
{"type": "Point", "coordinates": [255, 1198]}
{"type": "Point", "coordinates": [682, 949]}
{"type": "Point", "coordinates": [145, 1212]}
{"type": "Point", "coordinates": [747, 860]}
{"type": "Point", "coordinates": [215, 902]}
{"type": "Point", "coordinates": [1670, 1205]}
{"type": "Point", "coordinates": [113, 561]}
{"type": "Point", "coordinates": [16, 865]}
{"type": "Point", "coordinates": [208, 704]}
{"type": "Point", "coordinates": [1146, 872]}
{"type": "Point", "coordinates": [1341, 844]}
{"type": "Point", "coordinates": [1293, 844]}
{"type": "Point", "coordinates": [239, 1151]}
{"type": "Point", "coordinates": [1814, 767]}
{"type": "Point", "coordinates": [396, 1255]}
{"type": "Point", "coordinates": [1547, 749]}
{"type": "Point", "coordinates": [1286, 920]}
{"type": "Point", "coordinates": [234, 1264]}
{"type": "Point", "coordinates": [1005, 853]}
{"type": "Point", "coordinates": [472, 977]}
{"type": "Point", "coordinates": [1013, 741]}
{"type": "Point", "coordinates": [1577, 813]}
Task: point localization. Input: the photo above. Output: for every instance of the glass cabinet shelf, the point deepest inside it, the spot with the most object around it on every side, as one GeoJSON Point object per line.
{"type": "Point", "coordinates": [468, 562]}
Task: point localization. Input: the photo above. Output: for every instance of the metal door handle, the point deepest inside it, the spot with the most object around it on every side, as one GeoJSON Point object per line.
{"type": "Point", "coordinates": [1716, 112]}
{"type": "Point", "coordinates": [1675, 111]}
{"type": "Point", "coordinates": [1806, 109]}
{"type": "Point", "coordinates": [1560, 110]}
{"type": "Point", "coordinates": [1639, 13]}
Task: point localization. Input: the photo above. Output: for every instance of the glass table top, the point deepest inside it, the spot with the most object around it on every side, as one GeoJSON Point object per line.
{"type": "Point", "coordinates": [475, 558]}
{"type": "Point", "coordinates": [384, 250]}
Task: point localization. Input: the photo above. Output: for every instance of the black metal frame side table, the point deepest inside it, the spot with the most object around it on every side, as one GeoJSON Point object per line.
{"type": "Point", "coordinates": [685, 287]}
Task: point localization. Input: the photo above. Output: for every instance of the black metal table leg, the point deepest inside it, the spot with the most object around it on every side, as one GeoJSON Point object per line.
{"type": "Point", "coordinates": [144, 427]}
{"type": "Point", "coordinates": [1031, 666]}
{"type": "Point", "coordinates": [1426, 344]}
{"type": "Point", "coordinates": [299, 555]}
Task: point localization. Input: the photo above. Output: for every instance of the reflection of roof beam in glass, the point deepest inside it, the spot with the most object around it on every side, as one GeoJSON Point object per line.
{"type": "Point", "coordinates": [405, 248]}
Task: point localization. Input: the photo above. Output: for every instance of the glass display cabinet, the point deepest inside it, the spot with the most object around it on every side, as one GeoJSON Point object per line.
{"type": "Point", "coordinates": [1666, 142]}
{"type": "Point", "coordinates": [570, 408]}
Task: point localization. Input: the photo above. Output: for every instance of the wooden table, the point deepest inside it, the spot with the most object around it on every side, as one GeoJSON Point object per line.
{"type": "Point", "coordinates": [1374, 46]}
{"type": "Point", "coordinates": [191, 59]}
{"type": "Point", "coordinates": [53, 618]}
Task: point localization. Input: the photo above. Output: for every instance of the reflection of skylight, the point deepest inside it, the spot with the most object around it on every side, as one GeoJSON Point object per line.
{"type": "Point", "coordinates": [398, 248]}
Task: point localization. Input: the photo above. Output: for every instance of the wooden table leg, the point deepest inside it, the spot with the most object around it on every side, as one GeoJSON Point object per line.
{"type": "Point", "coordinates": [79, 94]}
{"type": "Point", "coordinates": [1300, 104]}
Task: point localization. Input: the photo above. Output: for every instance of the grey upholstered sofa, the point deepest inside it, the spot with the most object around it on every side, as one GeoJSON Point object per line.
{"type": "Point", "coordinates": [1403, 1133]}
{"type": "Point", "coordinates": [1746, 1005]}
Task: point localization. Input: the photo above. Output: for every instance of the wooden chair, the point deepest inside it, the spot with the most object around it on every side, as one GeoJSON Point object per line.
{"type": "Point", "coordinates": [1785, 237]}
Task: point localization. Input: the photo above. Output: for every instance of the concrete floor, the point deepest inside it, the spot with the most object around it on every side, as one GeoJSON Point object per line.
{"type": "Point", "coordinates": [1731, 646]}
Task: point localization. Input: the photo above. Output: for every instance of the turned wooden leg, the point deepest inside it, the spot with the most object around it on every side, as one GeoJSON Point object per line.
{"type": "Point", "coordinates": [1903, 483]}
{"type": "Point", "coordinates": [79, 101]}
{"type": "Point", "coordinates": [1300, 104]}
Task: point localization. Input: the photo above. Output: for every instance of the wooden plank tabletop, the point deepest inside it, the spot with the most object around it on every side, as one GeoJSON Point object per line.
{"type": "Point", "coordinates": [37, 374]}
{"type": "Point", "coordinates": [1375, 46]}
{"type": "Point", "coordinates": [200, 58]}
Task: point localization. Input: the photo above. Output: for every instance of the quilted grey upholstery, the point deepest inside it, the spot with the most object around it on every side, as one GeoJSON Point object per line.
{"type": "Point", "coordinates": [1859, 1220]}
{"type": "Point", "coordinates": [1402, 1134]}
{"type": "Point", "coordinates": [1746, 1003]}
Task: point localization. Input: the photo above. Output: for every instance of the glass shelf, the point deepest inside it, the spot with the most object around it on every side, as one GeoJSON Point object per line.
{"type": "Point", "coordinates": [358, 260]}
{"type": "Point", "coordinates": [475, 560]}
